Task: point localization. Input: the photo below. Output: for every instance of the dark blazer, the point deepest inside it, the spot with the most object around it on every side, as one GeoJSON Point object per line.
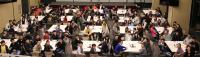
{"type": "Point", "coordinates": [93, 51]}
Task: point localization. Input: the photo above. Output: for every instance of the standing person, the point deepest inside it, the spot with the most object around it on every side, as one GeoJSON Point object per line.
{"type": "Point", "coordinates": [105, 30]}
{"type": "Point", "coordinates": [143, 51]}
{"type": "Point", "coordinates": [154, 33]}
{"type": "Point", "coordinates": [68, 47]}
{"type": "Point", "coordinates": [37, 49]}
{"type": "Point", "coordinates": [4, 47]}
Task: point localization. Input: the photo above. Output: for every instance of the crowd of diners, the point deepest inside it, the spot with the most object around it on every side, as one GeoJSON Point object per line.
{"type": "Point", "coordinates": [26, 34]}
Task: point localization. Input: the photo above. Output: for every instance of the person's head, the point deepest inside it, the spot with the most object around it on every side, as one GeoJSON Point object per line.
{"type": "Point", "coordinates": [178, 45]}
{"type": "Point", "coordinates": [93, 45]}
{"type": "Point", "coordinates": [120, 42]}
{"type": "Point", "coordinates": [162, 40]}
{"type": "Point", "coordinates": [188, 48]}
{"type": "Point", "coordinates": [87, 27]}
{"type": "Point", "coordinates": [10, 21]}
{"type": "Point", "coordinates": [46, 33]}
{"type": "Point", "coordinates": [116, 37]}
{"type": "Point", "coordinates": [12, 40]}
{"type": "Point", "coordinates": [3, 42]}
{"type": "Point", "coordinates": [77, 37]}
{"type": "Point", "coordinates": [48, 42]}
{"type": "Point", "coordinates": [80, 44]}
{"type": "Point", "coordinates": [166, 31]}
{"type": "Point", "coordinates": [27, 41]}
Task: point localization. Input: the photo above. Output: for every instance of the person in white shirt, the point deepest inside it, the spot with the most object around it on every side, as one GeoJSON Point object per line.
{"type": "Point", "coordinates": [79, 49]}
{"type": "Point", "coordinates": [188, 40]}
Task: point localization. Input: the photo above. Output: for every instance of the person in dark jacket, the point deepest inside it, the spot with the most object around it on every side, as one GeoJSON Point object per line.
{"type": "Point", "coordinates": [93, 49]}
{"type": "Point", "coordinates": [12, 46]}
{"type": "Point", "coordinates": [27, 48]}
{"type": "Point", "coordinates": [60, 48]}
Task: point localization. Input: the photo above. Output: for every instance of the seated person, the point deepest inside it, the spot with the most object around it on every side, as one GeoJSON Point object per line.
{"type": "Point", "coordinates": [119, 48]}
{"type": "Point", "coordinates": [103, 46]}
{"type": "Point", "coordinates": [87, 31]}
{"type": "Point", "coordinates": [164, 48]}
{"type": "Point", "coordinates": [179, 52]}
{"type": "Point", "coordinates": [188, 40]}
{"type": "Point", "coordinates": [93, 49]}
{"type": "Point", "coordinates": [189, 52]}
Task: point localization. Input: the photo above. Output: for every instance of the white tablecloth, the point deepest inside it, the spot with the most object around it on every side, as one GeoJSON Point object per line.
{"type": "Point", "coordinates": [95, 18]}
{"type": "Point", "coordinates": [53, 27]}
{"type": "Point", "coordinates": [122, 28]}
{"type": "Point", "coordinates": [47, 10]}
{"type": "Point", "coordinates": [173, 45]}
{"type": "Point", "coordinates": [147, 11]}
{"type": "Point", "coordinates": [88, 44]}
{"type": "Point", "coordinates": [161, 29]}
{"type": "Point", "coordinates": [69, 18]}
{"type": "Point", "coordinates": [40, 18]}
{"type": "Point", "coordinates": [122, 18]}
{"type": "Point", "coordinates": [67, 10]}
{"type": "Point", "coordinates": [121, 11]}
{"type": "Point", "coordinates": [96, 29]}
{"type": "Point", "coordinates": [132, 46]}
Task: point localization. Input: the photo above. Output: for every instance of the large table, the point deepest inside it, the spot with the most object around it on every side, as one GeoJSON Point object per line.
{"type": "Point", "coordinates": [122, 18]}
{"type": "Point", "coordinates": [121, 11]}
{"type": "Point", "coordinates": [96, 29]}
{"type": "Point", "coordinates": [131, 46]}
{"type": "Point", "coordinates": [147, 11]}
{"type": "Point", "coordinates": [40, 18]}
{"type": "Point", "coordinates": [54, 27]}
{"type": "Point", "coordinates": [161, 29]}
{"type": "Point", "coordinates": [95, 18]}
{"type": "Point", "coordinates": [67, 10]}
{"type": "Point", "coordinates": [69, 18]}
{"type": "Point", "coordinates": [173, 45]}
